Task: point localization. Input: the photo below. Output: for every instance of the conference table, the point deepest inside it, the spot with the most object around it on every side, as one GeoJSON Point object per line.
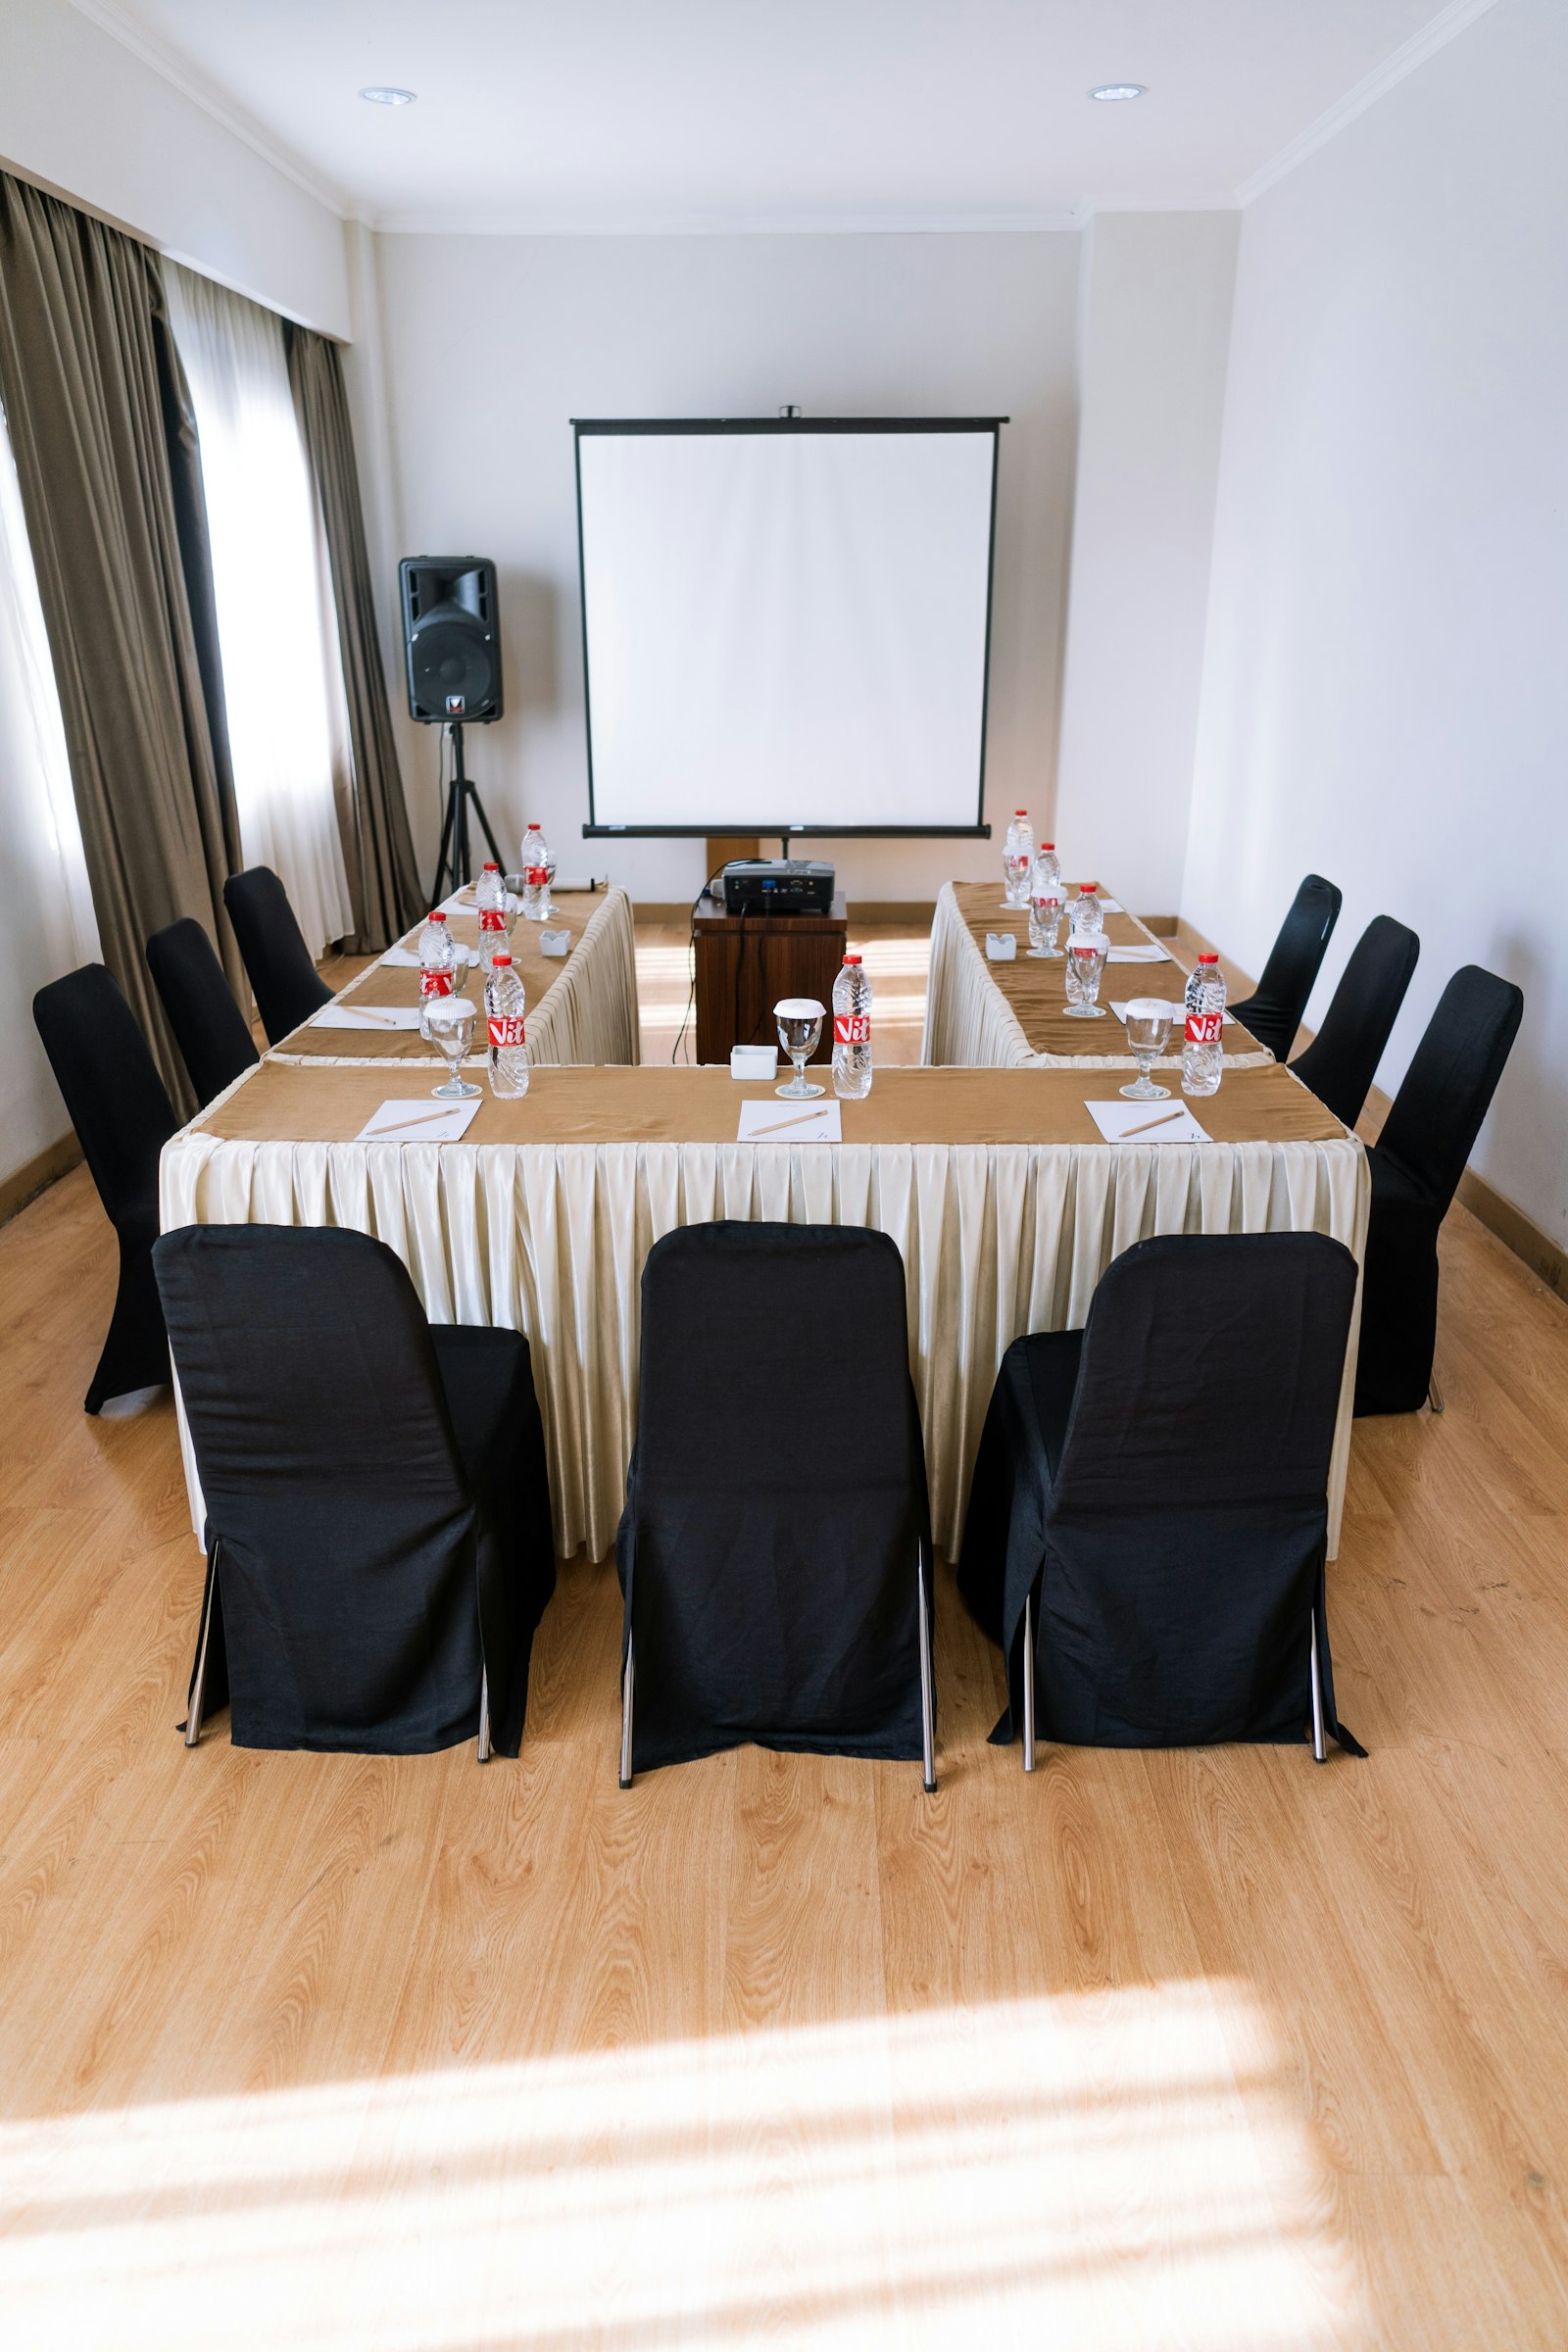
{"type": "Point", "coordinates": [1005, 1200]}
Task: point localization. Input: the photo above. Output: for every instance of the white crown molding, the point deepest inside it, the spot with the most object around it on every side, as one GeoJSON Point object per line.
{"type": "Point", "coordinates": [456, 223]}
{"type": "Point", "coordinates": [1225, 201]}
{"type": "Point", "coordinates": [179, 72]}
{"type": "Point", "coordinates": [1456, 18]}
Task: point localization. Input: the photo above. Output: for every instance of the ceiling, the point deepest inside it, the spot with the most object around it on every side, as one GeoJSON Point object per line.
{"type": "Point", "coordinates": [558, 115]}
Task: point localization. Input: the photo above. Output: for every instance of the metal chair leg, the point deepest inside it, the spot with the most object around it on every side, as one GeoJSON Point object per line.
{"type": "Point", "coordinates": [628, 1690]}
{"type": "Point", "coordinates": [1320, 1751]}
{"type": "Point", "coordinates": [1434, 1394]}
{"type": "Point", "coordinates": [484, 1717]}
{"type": "Point", "coordinates": [928, 1717]}
{"type": "Point", "coordinates": [1029, 1684]}
{"type": "Point", "coordinates": [198, 1686]}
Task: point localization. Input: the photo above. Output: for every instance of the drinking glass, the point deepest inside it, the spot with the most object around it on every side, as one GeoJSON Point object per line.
{"type": "Point", "coordinates": [450, 1021]}
{"type": "Point", "coordinates": [549, 906]}
{"type": "Point", "coordinates": [1085, 961]}
{"type": "Point", "coordinates": [800, 1028]}
{"type": "Point", "coordinates": [1149, 1027]}
{"type": "Point", "coordinates": [1044, 923]}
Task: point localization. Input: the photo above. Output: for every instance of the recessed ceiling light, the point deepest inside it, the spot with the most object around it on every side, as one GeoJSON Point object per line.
{"type": "Point", "coordinates": [1109, 93]}
{"type": "Point", "coordinates": [381, 95]}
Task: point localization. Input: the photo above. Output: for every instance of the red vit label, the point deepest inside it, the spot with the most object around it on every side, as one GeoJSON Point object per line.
{"type": "Point", "coordinates": [491, 919]}
{"type": "Point", "coordinates": [852, 1028]}
{"type": "Point", "coordinates": [536, 876]}
{"type": "Point", "coordinates": [1204, 1028]}
{"type": "Point", "coordinates": [506, 1030]}
{"type": "Point", "coordinates": [435, 984]}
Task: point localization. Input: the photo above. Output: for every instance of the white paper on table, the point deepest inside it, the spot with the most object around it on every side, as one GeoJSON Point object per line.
{"type": "Point", "coordinates": [782, 1122]}
{"type": "Point", "coordinates": [1138, 955]}
{"type": "Point", "coordinates": [339, 1016]}
{"type": "Point", "coordinates": [1155, 1122]}
{"type": "Point", "coordinates": [419, 1120]}
{"type": "Point", "coordinates": [1110, 905]}
{"type": "Point", "coordinates": [403, 958]}
{"type": "Point", "coordinates": [1120, 1010]}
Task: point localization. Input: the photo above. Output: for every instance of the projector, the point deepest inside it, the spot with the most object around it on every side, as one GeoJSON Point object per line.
{"type": "Point", "coordinates": [777, 886]}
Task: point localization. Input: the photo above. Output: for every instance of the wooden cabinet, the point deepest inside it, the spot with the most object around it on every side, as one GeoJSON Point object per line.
{"type": "Point", "coordinates": [745, 964]}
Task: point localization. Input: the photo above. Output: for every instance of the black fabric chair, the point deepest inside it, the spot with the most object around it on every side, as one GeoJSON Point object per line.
{"type": "Point", "coordinates": [1273, 1012]}
{"type": "Point", "coordinates": [288, 987]}
{"type": "Point", "coordinates": [211, 1031]}
{"type": "Point", "coordinates": [378, 1537]}
{"type": "Point", "coordinates": [121, 1110]}
{"type": "Point", "coordinates": [1341, 1062]}
{"type": "Point", "coordinates": [1416, 1165]}
{"type": "Point", "coordinates": [1152, 1493]}
{"type": "Point", "coordinates": [774, 1550]}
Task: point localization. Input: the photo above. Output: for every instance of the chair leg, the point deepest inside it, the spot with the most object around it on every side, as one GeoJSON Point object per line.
{"type": "Point", "coordinates": [629, 1689]}
{"type": "Point", "coordinates": [928, 1713]}
{"type": "Point", "coordinates": [198, 1688]}
{"type": "Point", "coordinates": [1029, 1684]}
{"type": "Point", "coordinates": [1320, 1751]}
{"type": "Point", "coordinates": [485, 1718]}
{"type": "Point", "coordinates": [1434, 1396]}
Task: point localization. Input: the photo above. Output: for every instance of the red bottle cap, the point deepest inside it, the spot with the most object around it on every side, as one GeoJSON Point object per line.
{"type": "Point", "coordinates": [436, 915]}
{"type": "Point", "coordinates": [852, 959]}
{"type": "Point", "coordinates": [1088, 889]}
{"type": "Point", "coordinates": [502, 958]}
{"type": "Point", "coordinates": [490, 867]}
{"type": "Point", "coordinates": [1048, 845]}
{"type": "Point", "coordinates": [1209, 958]}
{"type": "Point", "coordinates": [1020, 812]}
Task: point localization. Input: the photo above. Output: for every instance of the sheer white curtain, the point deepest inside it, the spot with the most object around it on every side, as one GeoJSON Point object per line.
{"type": "Point", "coordinates": [277, 686]}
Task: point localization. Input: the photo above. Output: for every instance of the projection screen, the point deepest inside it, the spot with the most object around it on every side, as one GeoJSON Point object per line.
{"type": "Point", "coordinates": [786, 625]}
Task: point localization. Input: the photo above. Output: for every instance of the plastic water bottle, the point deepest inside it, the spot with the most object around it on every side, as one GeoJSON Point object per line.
{"type": "Point", "coordinates": [490, 897]}
{"type": "Point", "coordinates": [852, 1031]}
{"type": "Point", "coordinates": [1087, 914]}
{"type": "Point", "coordinates": [1047, 903]}
{"type": "Point", "coordinates": [1018, 857]}
{"type": "Point", "coordinates": [504, 1008]}
{"type": "Point", "coordinates": [1046, 864]}
{"type": "Point", "coordinates": [536, 864]}
{"type": "Point", "coordinates": [438, 963]}
{"type": "Point", "coordinates": [1203, 1051]}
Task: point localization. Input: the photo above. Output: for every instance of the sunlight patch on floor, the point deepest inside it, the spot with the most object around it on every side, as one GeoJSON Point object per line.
{"type": "Point", "coordinates": [1106, 2171]}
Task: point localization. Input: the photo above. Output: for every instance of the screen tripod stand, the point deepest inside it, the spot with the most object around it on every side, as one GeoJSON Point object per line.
{"type": "Point", "coordinates": [453, 858]}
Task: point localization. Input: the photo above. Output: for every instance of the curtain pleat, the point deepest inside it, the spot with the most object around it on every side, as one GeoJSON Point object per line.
{"type": "Point", "coordinates": [373, 816]}
{"type": "Point", "coordinates": [85, 370]}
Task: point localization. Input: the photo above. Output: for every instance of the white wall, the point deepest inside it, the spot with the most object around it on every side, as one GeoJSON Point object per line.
{"type": "Point", "coordinates": [82, 113]}
{"type": "Point", "coordinates": [1386, 696]}
{"type": "Point", "coordinates": [1154, 341]}
{"type": "Point", "coordinates": [493, 344]}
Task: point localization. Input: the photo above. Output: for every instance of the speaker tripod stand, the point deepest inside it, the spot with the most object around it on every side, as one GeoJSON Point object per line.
{"type": "Point", "coordinates": [453, 860]}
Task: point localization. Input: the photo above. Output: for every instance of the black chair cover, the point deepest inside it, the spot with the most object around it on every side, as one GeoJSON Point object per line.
{"type": "Point", "coordinates": [209, 1030]}
{"type": "Point", "coordinates": [1341, 1062]}
{"type": "Point", "coordinates": [377, 1512]}
{"type": "Point", "coordinates": [1273, 1012]}
{"type": "Point", "coordinates": [1416, 1165]}
{"type": "Point", "coordinates": [776, 1500]}
{"type": "Point", "coordinates": [288, 987]}
{"type": "Point", "coordinates": [1158, 1481]}
{"type": "Point", "coordinates": [122, 1116]}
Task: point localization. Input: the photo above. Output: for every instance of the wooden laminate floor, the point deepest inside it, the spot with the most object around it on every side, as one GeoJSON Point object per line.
{"type": "Point", "coordinates": [1205, 2049]}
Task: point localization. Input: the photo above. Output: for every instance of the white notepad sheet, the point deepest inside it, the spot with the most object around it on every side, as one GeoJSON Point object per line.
{"type": "Point", "coordinates": [366, 1016]}
{"type": "Point", "coordinates": [1124, 1122]}
{"type": "Point", "coordinates": [776, 1121]}
{"type": "Point", "coordinates": [419, 1120]}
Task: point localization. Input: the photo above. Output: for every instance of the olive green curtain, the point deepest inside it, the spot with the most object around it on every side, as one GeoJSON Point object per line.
{"type": "Point", "coordinates": [92, 389]}
{"type": "Point", "coordinates": [373, 814]}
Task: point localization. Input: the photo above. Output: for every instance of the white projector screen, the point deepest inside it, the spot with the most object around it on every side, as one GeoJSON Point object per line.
{"type": "Point", "coordinates": [786, 627]}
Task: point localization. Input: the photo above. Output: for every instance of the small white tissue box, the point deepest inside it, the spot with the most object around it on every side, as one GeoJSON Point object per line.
{"type": "Point", "coordinates": [553, 943]}
{"type": "Point", "coordinates": [755, 1062]}
{"type": "Point", "coordinates": [1000, 946]}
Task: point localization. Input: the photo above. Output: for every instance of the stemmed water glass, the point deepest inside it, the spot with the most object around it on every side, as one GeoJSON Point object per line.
{"type": "Point", "coordinates": [450, 1021]}
{"type": "Point", "coordinates": [1044, 923]}
{"type": "Point", "coordinates": [799, 1027]}
{"type": "Point", "coordinates": [1149, 1028]}
{"type": "Point", "coordinates": [1085, 961]}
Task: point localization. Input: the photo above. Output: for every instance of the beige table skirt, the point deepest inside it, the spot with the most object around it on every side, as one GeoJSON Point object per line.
{"type": "Point", "coordinates": [1004, 1205]}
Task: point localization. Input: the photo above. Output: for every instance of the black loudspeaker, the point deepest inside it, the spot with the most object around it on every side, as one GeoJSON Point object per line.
{"type": "Point", "coordinates": [452, 639]}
